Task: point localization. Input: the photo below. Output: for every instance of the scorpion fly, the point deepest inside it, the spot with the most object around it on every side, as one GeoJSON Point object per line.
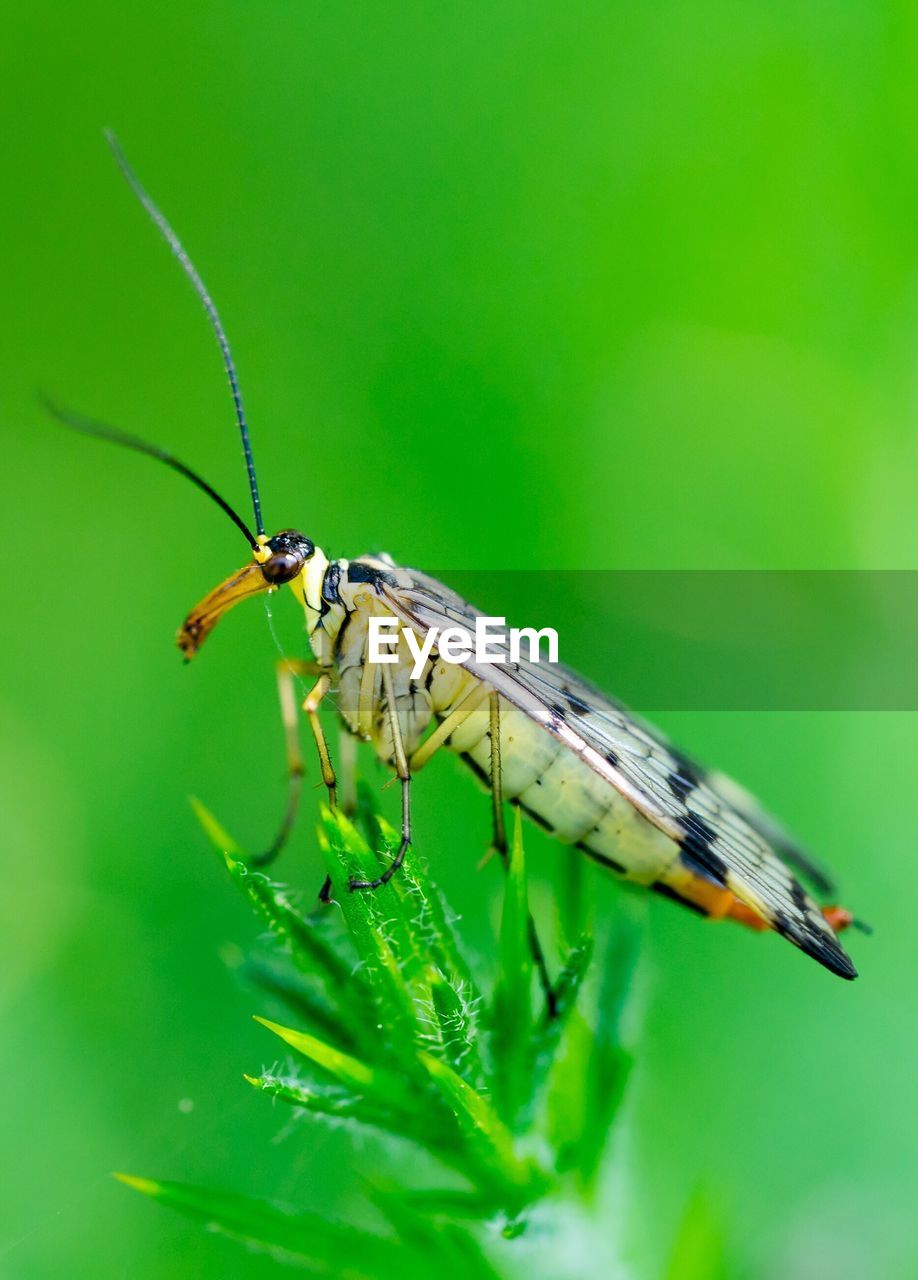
{"type": "Point", "coordinates": [573, 759]}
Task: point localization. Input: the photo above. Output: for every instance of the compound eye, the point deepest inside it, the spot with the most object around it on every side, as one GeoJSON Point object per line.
{"type": "Point", "coordinates": [282, 567]}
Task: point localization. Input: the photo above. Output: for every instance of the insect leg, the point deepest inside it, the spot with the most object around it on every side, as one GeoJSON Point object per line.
{"type": "Point", "coordinates": [431, 745]}
{"type": "Point", "coordinates": [347, 779]}
{"type": "Point", "coordinates": [445, 728]}
{"type": "Point", "coordinates": [403, 772]}
{"type": "Point", "coordinates": [499, 841]}
{"type": "Point", "coordinates": [367, 697]}
{"type": "Point", "coordinates": [497, 792]}
{"type": "Point", "coordinates": [347, 772]}
{"type": "Point", "coordinates": [311, 706]}
{"type": "Point", "coordinates": [287, 670]}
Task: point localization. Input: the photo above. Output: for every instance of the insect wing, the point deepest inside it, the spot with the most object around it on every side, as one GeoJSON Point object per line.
{"type": "Point", "coordinates": [737, 847]}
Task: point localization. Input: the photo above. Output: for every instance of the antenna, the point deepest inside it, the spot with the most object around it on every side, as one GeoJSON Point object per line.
{"type": "Point", "coordinates": [100, 431]}
{"type": "Point", "coordinates": [201, 290]}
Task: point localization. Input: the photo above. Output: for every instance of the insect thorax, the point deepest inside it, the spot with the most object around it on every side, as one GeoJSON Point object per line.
{"type": "Point", "coordinates": [339, 606]}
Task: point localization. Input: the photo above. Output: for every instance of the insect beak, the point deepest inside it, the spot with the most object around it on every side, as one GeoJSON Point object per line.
{"type": "Point", "coordinates": [245, 582]}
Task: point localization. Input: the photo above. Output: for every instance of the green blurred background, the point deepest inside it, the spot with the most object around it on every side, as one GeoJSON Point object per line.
{"type": "Point", "coordinates": [524, 285]}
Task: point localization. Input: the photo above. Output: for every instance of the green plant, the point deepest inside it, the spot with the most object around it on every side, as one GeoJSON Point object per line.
{"type": "Point", "coordinates": [388, 1029]}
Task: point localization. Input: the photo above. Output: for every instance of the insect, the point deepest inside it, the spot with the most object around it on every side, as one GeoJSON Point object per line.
{"type": "Point", "coordinates": [573, 759]}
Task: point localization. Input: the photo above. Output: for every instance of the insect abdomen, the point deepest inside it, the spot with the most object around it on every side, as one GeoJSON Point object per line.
{"type": "Point", "coordinates": [557, 789]}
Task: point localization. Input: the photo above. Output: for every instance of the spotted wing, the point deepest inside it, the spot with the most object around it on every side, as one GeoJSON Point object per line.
{"type": "Point", "coordinates": [719, 829]}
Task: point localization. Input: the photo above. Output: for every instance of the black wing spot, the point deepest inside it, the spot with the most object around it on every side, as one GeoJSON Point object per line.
{"type": "Point", "coordinates": [696, 849]}
{"type": "Point", "coordinates": [682, 784]}
{"type": "Point", "coordinates": [816, 944]}
{"type": "Point", "coordinates": [798, 897]}
{"type": "Point", "coordinates": [686, 766]}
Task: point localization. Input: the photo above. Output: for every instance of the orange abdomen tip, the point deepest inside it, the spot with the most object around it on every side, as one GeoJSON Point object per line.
{"type": "Point", "coordinates": [838, 918]}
